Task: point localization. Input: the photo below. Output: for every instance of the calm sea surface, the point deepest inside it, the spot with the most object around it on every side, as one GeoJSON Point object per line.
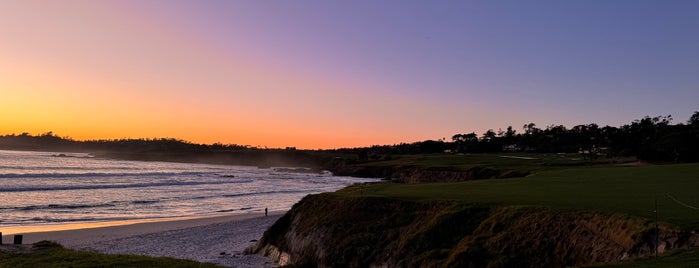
{"type": "Point", "coordinates": [39, 188]}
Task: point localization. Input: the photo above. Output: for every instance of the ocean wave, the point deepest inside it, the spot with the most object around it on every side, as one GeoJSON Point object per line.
{"type": "Point", "coordinates": [271, 192]}
{"type": "Point", "coordinates": [97, 168]}
{"type": "Point", "coordinates": [115, 186]}
{"type": "Point", "coordinates": [237, 209]}
{"type": "Point", "coordinates": [58, 206]}
{"type": "Point", "coordinates": [97, 175]}
{"type": "Point", "coordinates": [126, 204]}
{"type": "Point", "coordinates": [62, 206]}
{"type": "Point", "coordinates": [140, 202]}
{"type": "Point", "coordinates": [82, 219]}
{"type": "Point", "coordinates": [37, 190]}
{"type": "Point", "coordinates": [115, 204]}
{"type": "Point", "coordinates": [202, 197]}
{"type": "Point", "coordinates": [248, 194]}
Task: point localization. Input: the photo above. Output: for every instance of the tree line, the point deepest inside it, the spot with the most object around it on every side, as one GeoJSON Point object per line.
{"type": "Point", "coordinates": [163, 149]}
{"type": "Point", "coordinates": [648, 138]}
{"type": "Point", "coordinates": [50, 142]}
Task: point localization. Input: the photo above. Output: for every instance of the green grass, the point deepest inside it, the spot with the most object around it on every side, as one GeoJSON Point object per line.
{"type": "Point", "coordinates": [503, 161]}
{"type": "Point", "coordinates": [469, 160]}
{"type": "Point", "coordinates": [608, 188]}
{"type": "Point", "coordinates": [616, 189]}
{"type": "Point", "coordinates": [53, 255]}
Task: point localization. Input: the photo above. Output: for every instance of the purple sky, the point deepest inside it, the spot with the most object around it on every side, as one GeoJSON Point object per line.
{"type": "Point", "coordinates": [363, 72]}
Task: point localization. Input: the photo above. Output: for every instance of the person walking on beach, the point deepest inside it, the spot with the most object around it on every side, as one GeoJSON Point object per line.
{"type": "Point", "coordinates": [265, 212]}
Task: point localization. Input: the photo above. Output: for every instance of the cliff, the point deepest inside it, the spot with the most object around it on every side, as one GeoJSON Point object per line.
{"type": "Point", "coordinates": [331, 230]}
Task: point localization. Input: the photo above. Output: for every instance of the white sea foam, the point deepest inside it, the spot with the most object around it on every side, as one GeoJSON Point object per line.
{"type": "Point", "coordinates": [39, 188]}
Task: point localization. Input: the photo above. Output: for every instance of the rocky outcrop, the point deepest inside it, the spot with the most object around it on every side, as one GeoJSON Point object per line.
{"type": "Point", "coordinates": [331, 230]}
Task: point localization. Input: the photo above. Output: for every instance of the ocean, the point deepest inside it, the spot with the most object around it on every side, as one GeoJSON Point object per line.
{"type": "Point", "coordinates": [39, 188]}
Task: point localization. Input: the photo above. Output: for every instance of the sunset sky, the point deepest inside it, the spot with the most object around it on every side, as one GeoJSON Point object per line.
{"type": "Point", "coordinates": [329, 74]}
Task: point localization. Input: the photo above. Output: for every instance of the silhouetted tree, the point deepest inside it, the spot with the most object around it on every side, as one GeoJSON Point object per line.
{"type": "Point", "coordinates": [465, 142]}
{"type": "Point", "coordinates": [649, 138]}
{"type": "Point", "coordinates": [694, 119]}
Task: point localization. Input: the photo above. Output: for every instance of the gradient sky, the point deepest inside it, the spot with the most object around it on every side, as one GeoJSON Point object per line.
{"type": "Point", "coordinates": [329, 74]}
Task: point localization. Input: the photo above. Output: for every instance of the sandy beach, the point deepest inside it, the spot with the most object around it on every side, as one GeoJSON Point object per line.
{"type": "Point", "coordinates": [218, 240]}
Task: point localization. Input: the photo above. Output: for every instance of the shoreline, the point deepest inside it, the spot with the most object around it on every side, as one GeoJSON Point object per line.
{"type": "Point", "coordinates": [217, 239]}
{"type": "Point", "coordinates": [185, 221]}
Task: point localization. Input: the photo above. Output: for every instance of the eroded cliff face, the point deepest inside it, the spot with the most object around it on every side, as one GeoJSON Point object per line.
{"type": "Point", "coordinates": [329, 230]}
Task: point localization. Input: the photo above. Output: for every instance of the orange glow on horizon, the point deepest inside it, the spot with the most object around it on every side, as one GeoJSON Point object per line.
{"type": "Point", "coordinates": [143, 76]}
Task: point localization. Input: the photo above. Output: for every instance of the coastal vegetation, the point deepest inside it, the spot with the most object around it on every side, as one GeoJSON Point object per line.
{"type": "Point", "coordinates": [633, 190]}
{"type": "Point", "coordinates": [572, 216]}
{"type": "Point", "coordinates": [461, 167]}
{"type": "Point", "coordinates": [50, 254]}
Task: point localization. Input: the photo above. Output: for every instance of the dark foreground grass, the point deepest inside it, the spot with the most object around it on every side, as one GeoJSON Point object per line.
{"type": "Point", "coordinates": [54, 255]}
{"type": "Point", "coordinates": [679, 259]}
{"type": "Point", "coordinates": [615, 189]}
